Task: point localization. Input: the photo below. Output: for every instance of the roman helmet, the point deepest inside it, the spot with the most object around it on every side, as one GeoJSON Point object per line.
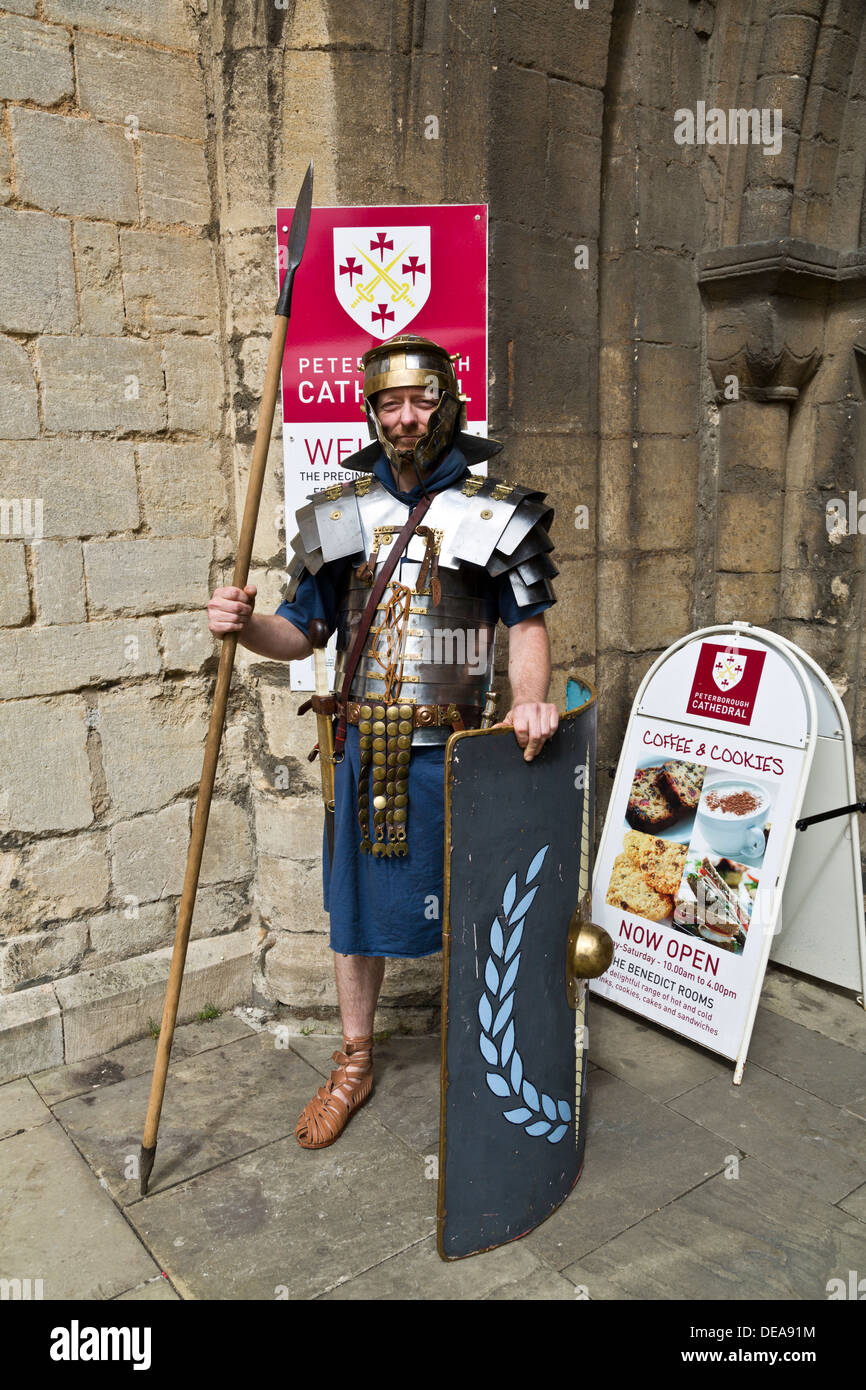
{"type": "Point", "coordinates": [407, 360]}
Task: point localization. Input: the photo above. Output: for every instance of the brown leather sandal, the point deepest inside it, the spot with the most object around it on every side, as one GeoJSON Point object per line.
{"type": "Point", "coordinates": [325, 1117]}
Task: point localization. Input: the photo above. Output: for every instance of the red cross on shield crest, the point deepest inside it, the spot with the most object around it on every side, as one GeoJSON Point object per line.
{"type": "Point", "coordinates": [728, 669]}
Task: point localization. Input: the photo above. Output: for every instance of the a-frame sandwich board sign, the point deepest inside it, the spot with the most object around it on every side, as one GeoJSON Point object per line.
{"type": "Point", "coordinates": [700, 831]}
{"type": "Point", "coordinates": [821, 926]}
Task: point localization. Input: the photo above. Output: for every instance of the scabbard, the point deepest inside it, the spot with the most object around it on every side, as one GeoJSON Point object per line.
{"type": "Point", "coordinates": [324, 707]}
{"type": "Point", "coordinates": [326, 759]}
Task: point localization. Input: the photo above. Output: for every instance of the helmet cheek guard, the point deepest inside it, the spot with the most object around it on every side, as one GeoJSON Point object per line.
{"type": "Point", "coordinates": [407, 360]}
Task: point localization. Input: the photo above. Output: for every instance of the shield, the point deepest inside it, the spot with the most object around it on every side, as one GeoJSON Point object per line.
{"type": "Point", "coordinates": [729, 669]}
{"type": "Point", "coordinates": [382, 277]}
{"type": "Point", "coordinates": [517, 861]}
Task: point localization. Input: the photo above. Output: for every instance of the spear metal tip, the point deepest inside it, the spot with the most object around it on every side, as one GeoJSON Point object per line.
{"type": "Point", "coordinates": [300, 220]}
{"type": "Point", "coordinates": [297, 239]}
{"type": "Point", "coordinates": [145, 1167]}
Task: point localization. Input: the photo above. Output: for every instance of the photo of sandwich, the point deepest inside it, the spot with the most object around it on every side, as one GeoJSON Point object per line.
{"type": "Point", "coordinates": [663, 794]}
{"type": "Point", "coordinates": [715, 902]}
{"type": "Point", "coordinates": [647, 875]}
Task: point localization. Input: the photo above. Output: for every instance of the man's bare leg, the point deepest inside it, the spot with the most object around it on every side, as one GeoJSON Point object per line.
{"type": "Point", "coordinates": [359, 980]}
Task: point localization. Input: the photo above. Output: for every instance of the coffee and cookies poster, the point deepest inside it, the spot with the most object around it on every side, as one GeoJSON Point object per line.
{"type": "Point", "coordinates": [687, 881]}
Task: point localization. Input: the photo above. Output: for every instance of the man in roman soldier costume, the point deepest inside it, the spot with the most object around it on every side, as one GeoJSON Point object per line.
{"type": "Point", "coordinates": [415, 608]}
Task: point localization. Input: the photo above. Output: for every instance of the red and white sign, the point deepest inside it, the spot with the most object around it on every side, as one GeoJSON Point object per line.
{"type": "Point", "coordinates": [729, 683]}
{"type": "Point", "coordinates": [367, 274]}
{"type": "Point", "coordinates": [720, 671]}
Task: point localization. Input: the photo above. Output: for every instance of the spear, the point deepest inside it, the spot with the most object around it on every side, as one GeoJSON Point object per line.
{"type": "Point", "coordinates": [297, 237]}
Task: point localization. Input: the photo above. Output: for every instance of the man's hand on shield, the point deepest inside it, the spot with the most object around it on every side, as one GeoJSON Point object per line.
{"type": "Point", "coordinates": [533, 723]}
{"type": "Point", "coordinates": [533, 720]}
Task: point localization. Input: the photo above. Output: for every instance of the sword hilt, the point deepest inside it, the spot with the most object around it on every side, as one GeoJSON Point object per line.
{"type": "Point", "coordinates": [488, 714]}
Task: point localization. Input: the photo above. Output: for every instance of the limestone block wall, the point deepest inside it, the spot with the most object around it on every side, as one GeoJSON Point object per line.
{"type": "Point", "coordinates": [116, 518]}
{"type": "Point", "coordinates": [144, 145]}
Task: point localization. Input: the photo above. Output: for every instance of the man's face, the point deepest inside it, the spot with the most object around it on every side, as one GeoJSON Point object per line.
{"type": "Point", "coordinates": [403, 412]}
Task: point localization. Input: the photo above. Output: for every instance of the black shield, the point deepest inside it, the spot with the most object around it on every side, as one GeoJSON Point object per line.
{"type": "Point", "coordinates": [518, 853]}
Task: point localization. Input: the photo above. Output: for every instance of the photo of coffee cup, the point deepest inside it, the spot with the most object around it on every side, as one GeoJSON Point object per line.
{"type": "Point", "coordinates": [732, 815]}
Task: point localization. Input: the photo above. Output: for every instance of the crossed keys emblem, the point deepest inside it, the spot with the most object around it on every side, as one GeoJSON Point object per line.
{"type": "Point", "coordinates": [728, 669]}
{"type": "Point", "coordinates": [382, 296]}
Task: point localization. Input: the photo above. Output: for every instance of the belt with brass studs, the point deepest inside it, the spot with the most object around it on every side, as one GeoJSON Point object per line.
{"type": "Point", "coordinates": [422, 716]}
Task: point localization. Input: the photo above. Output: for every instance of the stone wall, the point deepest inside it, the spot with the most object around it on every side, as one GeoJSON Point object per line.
{"type": "Point", "coordinates": [116, 479]}
{"type": "Point", "coordinates": [143, 149]}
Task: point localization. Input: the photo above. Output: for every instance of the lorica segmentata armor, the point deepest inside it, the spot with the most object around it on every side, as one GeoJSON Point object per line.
{"type": "Point", "coordinates": [432, 639]}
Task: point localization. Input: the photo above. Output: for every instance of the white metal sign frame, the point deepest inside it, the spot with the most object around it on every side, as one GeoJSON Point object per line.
{"type": "Point", "coordinates": [799, 732]}
{"type": "Point", "coordinates": [824, 884]}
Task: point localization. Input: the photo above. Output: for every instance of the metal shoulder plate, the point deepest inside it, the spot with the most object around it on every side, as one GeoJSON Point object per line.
{"type": "Point", "coordinates": [504, 528]}
{"type": "Point", "coordinates": [329, 528]}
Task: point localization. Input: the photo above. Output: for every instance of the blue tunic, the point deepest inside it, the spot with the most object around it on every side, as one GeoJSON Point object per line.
{"type": "Point", "coordinates": [379, 906]}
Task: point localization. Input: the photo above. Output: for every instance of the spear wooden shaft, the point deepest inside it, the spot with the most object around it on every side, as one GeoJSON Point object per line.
{"type": "Point", "coordinates": [221, 692]}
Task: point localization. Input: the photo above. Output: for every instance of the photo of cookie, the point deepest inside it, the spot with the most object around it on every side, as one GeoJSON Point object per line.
{"type": "Point", "coordinates": [629, 889]}
{"type": "Point", "coordinates": [635, 841]}
{"type": "Point", "coordinates": [648, 808]}
{"type": "Point", "coordinates": [662, 862]}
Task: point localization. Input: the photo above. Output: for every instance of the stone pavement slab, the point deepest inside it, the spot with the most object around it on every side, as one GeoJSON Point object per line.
{"type": "Point", "coordinates": [855, 1203]}
{"type": "Point", "coordinates": [647, 1056]}
{"type": "Point", "coordinates": [541, 1285]}
{"type": "Point", "coordinates": [593, 1287]}
{"type": "Point", "coordinates": [218, 1104]}
{"type": "Point", "coordinates": [21, 1107]}
{"type": "Point", "coordinates": [639, 1156]}
{"type": "Point", "coordinates": [419, 1275]}
{"type": "Point", "coordinates": [284, 1222]}
{"type": "Point", "coordinates": [817, 1006]}
{"type": "Point", "coordinates": [820, 1147]}
{"type": "Point", "coordinates": [134, 1059]}
{"type": "Point", "coordinates": [57, 1224]}
{"type": "Point", "coordinates": [756, 1236]}
{"type": "Point", "coordinates": [829, 1069]}
{"type": "Point", "coordinates": [155, 1290]}
{"type": "Point", "coordinates": [405, 1095]}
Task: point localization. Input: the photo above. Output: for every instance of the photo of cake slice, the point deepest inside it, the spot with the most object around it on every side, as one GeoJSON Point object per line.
{"type": "Point", "coordinates": [682, 783]}
{"type": "Point", "coordinates": [629, 889]}
{"type": "Point", "coordinates": [649, 809]}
